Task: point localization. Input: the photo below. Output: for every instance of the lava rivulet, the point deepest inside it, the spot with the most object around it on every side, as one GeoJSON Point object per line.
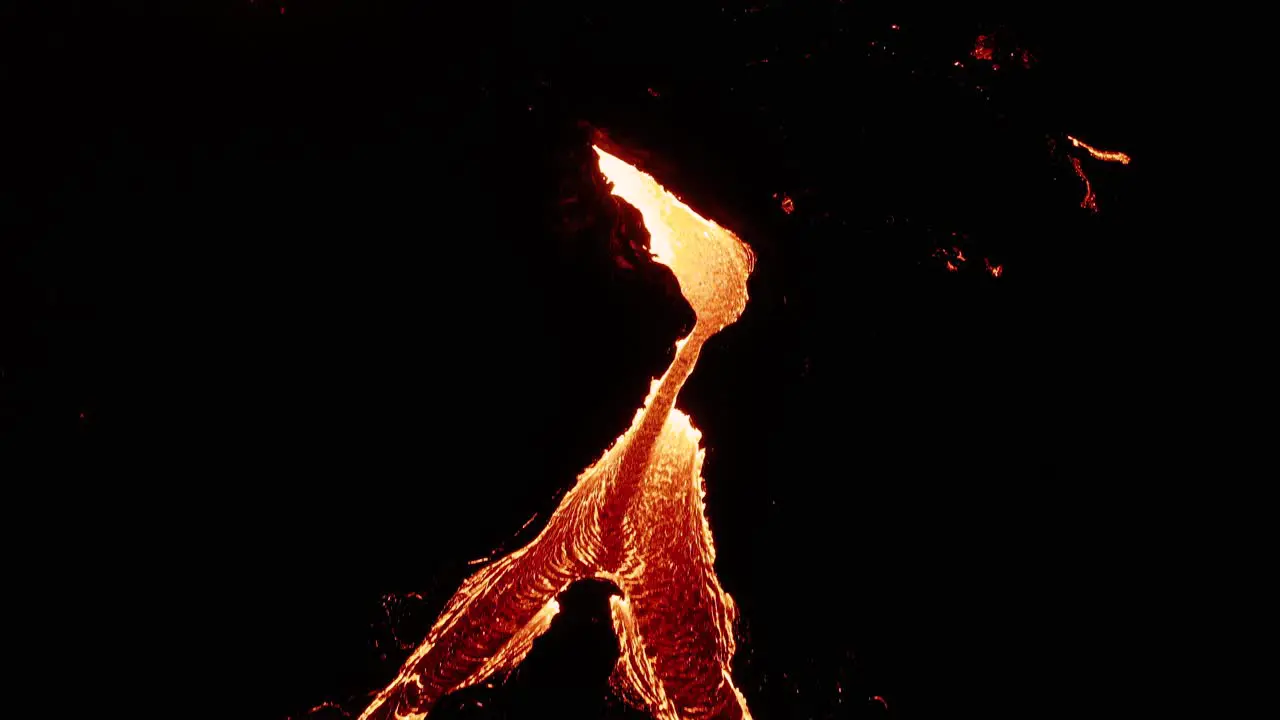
{"type": "Point", "coordinates": [636, 518]}
{"type": "Point", "coordinates": [1108, 155]}
{"type": "Point", "coordinates": [1090, 201]}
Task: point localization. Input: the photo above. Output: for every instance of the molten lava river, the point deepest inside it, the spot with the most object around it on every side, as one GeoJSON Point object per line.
{"type": "Point", "coordinates": [635, 518]}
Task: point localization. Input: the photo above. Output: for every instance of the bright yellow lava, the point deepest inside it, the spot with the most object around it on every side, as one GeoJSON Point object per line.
{"type": "Point", "coordinates": [636, 517]}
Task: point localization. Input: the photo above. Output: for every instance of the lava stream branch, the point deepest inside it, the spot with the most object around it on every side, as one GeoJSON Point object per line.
{"type": "Point", "coordinates": [636, 517]}
{"type": "Point", "coordinates": [1107, 155]}
{"type": "Point", "coordinates": [1090, 201]}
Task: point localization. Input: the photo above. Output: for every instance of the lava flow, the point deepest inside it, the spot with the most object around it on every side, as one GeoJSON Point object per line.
{"type": "Point", "coordinates": [1108, 155]}
{"type": "Point", "coordinates": [636, 518]}
{"type": "Point", "coordinates": [1090, 201]}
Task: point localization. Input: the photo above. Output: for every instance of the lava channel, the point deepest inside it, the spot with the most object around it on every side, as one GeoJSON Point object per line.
{"type": "Point", "coordinates": [636, 518]}
{"type": "Point", "coordinates": [1107, 155]}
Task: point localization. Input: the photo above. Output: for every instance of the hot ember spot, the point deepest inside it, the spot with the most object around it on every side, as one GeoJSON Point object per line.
{"type": "Point", "coordinates": [636, 517]}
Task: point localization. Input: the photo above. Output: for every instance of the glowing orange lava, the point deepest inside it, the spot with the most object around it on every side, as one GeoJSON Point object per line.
{"type": "Point", "coordinates": [948, 255]}
{"type": "Point", "coordinates": [1108, 155]}
{"type": "Point", "coordinates": [1090, 201]}
{"type": "Point", "coordinates": [636, 518]}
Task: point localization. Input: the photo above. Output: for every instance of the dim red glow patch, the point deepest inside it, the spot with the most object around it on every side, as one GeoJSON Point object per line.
{"type": "Point", "coordinates": [335, 710]}
{"type": "Point", "coordinates": [983, 48]}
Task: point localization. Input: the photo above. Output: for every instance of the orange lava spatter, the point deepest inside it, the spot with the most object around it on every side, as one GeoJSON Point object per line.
{"type": "Point", "coordinates": [636, 518]}
{"type": "Point", "coordinates": [983, 48]}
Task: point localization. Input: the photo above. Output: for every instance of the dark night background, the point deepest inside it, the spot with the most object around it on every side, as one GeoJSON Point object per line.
{"type": "Point", "coordinates": [318, 305]}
